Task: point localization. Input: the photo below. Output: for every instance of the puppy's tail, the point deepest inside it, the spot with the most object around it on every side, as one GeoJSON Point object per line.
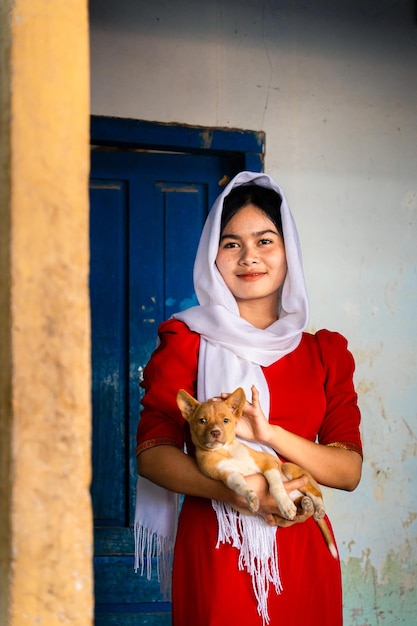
{"type": "Point", "coordinates": [328, 538]}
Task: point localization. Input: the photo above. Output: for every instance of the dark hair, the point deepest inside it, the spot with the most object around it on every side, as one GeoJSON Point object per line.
{"type": "Point", "coordinates": [268, 200]}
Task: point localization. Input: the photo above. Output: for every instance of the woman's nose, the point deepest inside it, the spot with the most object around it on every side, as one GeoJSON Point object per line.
{"type": "Point", "coordinates": [248, 256]}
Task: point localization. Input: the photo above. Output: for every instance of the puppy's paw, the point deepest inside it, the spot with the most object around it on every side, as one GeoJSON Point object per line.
{"type": "Point", "coordinates": [319, 511]}
{"type": "Point", "coordinates": [306, 504]}
{"type": "Point", "coordinates": [288, 509]}
{"type": "Point", "coordinates": [253, 501]}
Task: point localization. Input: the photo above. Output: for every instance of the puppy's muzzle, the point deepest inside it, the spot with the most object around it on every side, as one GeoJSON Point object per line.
{"type": "Point", "coordinates": [215, 433]}
{"type": "Point", "coordinates": [214, 437]}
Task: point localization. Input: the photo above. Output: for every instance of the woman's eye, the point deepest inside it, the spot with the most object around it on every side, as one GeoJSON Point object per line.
{"type": "Point", "coordinates": [230, 244]}
{"type": "Point", "coordinates": [264, 242]}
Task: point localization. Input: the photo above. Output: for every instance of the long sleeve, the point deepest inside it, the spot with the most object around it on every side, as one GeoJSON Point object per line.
{"type": "Point", "coordinates": [341, 421]}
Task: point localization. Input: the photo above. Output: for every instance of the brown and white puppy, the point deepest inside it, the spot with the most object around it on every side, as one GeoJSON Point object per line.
{"type": "Point", "coordinates": [219, 455]}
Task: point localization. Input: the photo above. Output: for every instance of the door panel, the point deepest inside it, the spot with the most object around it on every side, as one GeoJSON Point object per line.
{"type": "Point", "coordinates": [186, 205]}
{"type": "Point", "coordinates": [147, 212]}
{"type": "Point", "coordinates": [108, 289]}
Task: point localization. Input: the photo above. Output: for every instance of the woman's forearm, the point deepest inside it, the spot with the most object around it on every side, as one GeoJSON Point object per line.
{"type": "Point", "coordinates": [330, 466]}
{"type": "Point", "coordinates": [170, 468]}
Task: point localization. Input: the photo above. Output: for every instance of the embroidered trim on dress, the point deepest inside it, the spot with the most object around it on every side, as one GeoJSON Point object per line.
{"type": "Point", "coordinates": [157, 441]}
{"type": "Point", "coordinates": [346, 445]}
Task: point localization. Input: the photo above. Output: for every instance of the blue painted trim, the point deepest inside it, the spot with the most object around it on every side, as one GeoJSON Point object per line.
{"type": "Point", "coordinates": [114, 131]}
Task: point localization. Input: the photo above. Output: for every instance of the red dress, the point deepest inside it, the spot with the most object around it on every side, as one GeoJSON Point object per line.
{"type": "Point", "coordinates": [312, 395]}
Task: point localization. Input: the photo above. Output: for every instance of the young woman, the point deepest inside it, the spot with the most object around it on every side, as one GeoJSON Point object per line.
{"type": "Point", "coordinates": [248, 331]}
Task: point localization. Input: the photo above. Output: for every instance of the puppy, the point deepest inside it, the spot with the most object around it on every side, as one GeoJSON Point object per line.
{"type": "Point", "coordinates": [219, 455]}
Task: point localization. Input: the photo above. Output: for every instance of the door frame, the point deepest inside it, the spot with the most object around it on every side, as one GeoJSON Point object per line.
{"type": "Point", "coordinates": [247, 145]}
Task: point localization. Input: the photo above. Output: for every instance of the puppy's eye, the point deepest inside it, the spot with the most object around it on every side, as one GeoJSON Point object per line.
{"type": "Point", "coordinates": [202, 420]}
{"type": "Point", "coordinates": [226, 420]}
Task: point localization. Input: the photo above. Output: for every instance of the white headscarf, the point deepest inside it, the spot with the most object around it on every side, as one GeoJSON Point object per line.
{"type": "Point", "coordinates": [233, 351]}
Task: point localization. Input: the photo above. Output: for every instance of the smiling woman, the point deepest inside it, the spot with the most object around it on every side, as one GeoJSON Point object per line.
{"type": "Point", "coordinates": [248, 331]}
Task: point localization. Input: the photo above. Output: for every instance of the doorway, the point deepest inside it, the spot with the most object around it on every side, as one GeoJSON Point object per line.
{"type": "Point", "coordinates": [151, 186]}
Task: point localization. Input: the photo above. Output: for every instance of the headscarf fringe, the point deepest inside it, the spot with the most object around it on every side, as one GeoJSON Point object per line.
{"type": "Point", "coordinates": [258, 555]}
{"type": "Point", "coordinates": [149, 545]}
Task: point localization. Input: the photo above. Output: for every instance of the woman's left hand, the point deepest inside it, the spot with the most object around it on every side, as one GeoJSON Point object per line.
{"type": "Point", "coordinates": [253, 425]}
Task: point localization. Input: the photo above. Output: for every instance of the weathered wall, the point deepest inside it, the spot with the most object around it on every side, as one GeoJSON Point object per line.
{"type": "Point", "coordinates": [333, 86]}
{"type": "Point", "coordinates": [45, 522]}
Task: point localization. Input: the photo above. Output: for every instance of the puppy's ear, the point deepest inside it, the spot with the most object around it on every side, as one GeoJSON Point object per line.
{"type": "Point", "coordinates": [236, 401]}
{"type": "Point", "coordinates": [186, 404]}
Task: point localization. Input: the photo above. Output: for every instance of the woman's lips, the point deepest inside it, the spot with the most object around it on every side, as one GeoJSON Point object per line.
{"type": "Point", "coordinates": [251, 277]}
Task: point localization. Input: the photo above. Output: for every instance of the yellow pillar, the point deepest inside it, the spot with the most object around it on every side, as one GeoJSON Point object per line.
{"type": "Point", "coordinates": [45, 521]}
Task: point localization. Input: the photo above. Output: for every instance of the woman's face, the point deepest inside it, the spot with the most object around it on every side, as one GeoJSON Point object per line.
{"type": "Point", "coordinates": [251, 258]}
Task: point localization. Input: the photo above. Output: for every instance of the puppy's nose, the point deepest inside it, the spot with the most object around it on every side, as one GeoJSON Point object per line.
{"type": "Point", "coordinates": [215, 433]}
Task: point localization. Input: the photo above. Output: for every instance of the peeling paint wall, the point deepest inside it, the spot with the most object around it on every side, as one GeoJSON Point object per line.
{"type": "Point", "coordinates": [333, 85]}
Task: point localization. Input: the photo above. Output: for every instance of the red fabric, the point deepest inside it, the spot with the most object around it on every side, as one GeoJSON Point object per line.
{"type": "Point", "coordinates": [208, 589]}
{"type": "Point", "coordinates": [173, 366]}
{"type": "Point", "coordinates": [312, 395]}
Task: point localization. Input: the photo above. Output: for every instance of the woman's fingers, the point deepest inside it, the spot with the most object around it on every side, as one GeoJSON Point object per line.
{"type": "Point", "coordinates": [255, 397]}
{"type": "Point", "coordinates": [294, 485]}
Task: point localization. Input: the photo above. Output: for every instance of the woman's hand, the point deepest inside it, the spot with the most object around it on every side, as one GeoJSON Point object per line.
{"type": "Point", "coordinates": [268, 508]}
{"type": "Point", "coordinates": [253, 425]}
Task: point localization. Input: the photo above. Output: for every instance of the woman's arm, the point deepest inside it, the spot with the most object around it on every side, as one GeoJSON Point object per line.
{"type": "Point", "coordinates": [169, 467]}
{"type": "Point", "coordinates": [330, 466]}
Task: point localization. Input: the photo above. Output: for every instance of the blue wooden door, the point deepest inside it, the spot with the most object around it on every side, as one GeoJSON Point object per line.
{"type": "Point", "coordinates": [147, 212]}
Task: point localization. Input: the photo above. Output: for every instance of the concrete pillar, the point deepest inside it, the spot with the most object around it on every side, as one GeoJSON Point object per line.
{"type": "Point", "coordinates": [45, 521]}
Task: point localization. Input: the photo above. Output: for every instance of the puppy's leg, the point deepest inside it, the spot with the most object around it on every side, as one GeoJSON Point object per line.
{"type": "Point", "coordinates": [311, 489]}
{"type": "Point", "coordinates": [237, 483]}
{"type": "Point", "coordinates": [276, 487]}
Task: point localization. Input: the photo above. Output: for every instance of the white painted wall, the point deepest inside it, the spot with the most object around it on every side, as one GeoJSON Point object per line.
{"type": "Point", "coordinates": [334, 87]}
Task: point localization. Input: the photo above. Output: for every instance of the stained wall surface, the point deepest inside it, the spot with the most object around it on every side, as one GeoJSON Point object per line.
{"type": "Point", "coordinates": [333, 85]}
